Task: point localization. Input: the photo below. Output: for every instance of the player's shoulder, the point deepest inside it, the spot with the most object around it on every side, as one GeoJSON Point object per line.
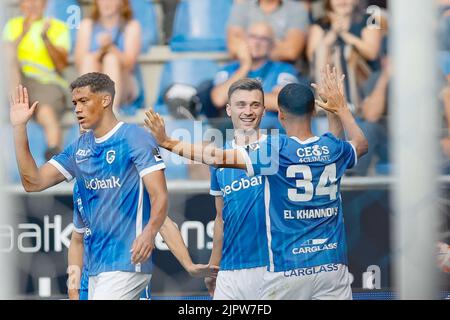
{"type": "Point", "coordinates": [132, 130]}
{"type": "Point", "coordinates": [332, 141]}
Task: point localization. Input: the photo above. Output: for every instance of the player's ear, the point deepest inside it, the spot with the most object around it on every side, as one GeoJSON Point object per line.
{"type": "Point", "coordinates": [228, 108]}
{"type": "Point", "coordinates": [106, 101]}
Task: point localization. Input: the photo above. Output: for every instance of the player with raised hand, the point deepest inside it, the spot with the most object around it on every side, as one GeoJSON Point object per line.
{"type": "Point", "coordinates": [121, 182]}
{"type": "Point", "coordinates": [305, 230]}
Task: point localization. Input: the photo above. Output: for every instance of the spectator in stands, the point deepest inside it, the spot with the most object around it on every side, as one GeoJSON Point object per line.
{"type": "Point", "coordinates": [37, 52]}
{"type": "Point", "coordinates": [110, 42]}
{"type": "Point", "coordinates": [344, 39]}
{"type": "Point", "coordinates": [254, 62]}
{"type": "Point", "coordinates": [374, 111]}
{"type": "Point", "coordinates": [288, 19]}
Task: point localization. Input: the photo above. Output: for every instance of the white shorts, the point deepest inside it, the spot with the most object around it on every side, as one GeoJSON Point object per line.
{"type": "Point", "coordinates": [327, 282]}
{"type": "Point", "coordinates": [242, 284]}
{"type": "Point", "coordinates": [118, 285]}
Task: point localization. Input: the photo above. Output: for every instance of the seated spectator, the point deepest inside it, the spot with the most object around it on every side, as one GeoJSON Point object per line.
{"type": "Point", "coordinates": [373, 120]}
{"type": "Point", "coordinates": [254, 62]}
{"type": "Point", "coordinates": [110, 42]}
{"type": "Point", "coordinates": [343, 39]}
{"type": "Point", "coordinates": [288, 19]}
{"type": "Point", "coordinates": [37, 52]}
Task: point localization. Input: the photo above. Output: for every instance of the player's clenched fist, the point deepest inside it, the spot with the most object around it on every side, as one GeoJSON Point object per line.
{"type": "Point", "coordinates": [142, 247]}
{"type": "Point", "coordinates": [156, 125]}
{"type": "Point", "coordinates": [20, 111]}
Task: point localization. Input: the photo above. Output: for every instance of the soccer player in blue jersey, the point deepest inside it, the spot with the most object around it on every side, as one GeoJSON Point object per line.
{"type": "Point", "coordinates": [302, 174]}
{"type": "Point", "coordinates": [121, 182]}
{"type": "Point", "coordinates": [239, 242]}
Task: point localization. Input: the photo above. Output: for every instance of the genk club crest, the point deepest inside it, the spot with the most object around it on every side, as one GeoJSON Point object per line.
{"type": "Point", "coordinates": [110, 156]}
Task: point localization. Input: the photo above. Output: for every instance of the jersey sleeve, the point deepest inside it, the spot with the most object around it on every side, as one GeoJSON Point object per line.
{"type": "Point", "coordinates": [78, 223]}
{"type": "Point", "coordinates": [214, 186]}
{"type": "Point", "coordinates": [262, 158]}
{"type": "Point", "coordinates": [65, 162]}
{"type": "Point", "coordinates": [144, 152]}
{"type": "Point", "coordinates": [349, 154]}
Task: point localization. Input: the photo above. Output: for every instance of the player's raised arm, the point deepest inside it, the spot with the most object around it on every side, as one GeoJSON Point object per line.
{"type": "Point", "coordinates": [334, 123]}
{"type": "Point", "coordinates": [172, 237]}
{"type": "Point", "coordinates": [209, 155]}
{"type": "Point", "coordinates": [34, 179]}
{"type": "Point", "coordinates": [334, 102]}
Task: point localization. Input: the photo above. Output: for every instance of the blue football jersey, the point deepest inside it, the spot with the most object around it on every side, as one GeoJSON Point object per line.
{"type": "Point", "coordinates": [302, 199]}
{"type": "Point", "coordinates": [109, 172]}
{"type": "Point", "coordinates": [244, 227]}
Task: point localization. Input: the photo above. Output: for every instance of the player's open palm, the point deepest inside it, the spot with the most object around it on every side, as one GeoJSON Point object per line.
{"type": "Point", "coordinates": [330, 90]}
{"type": "Point", "coordinates": [20, 110]}
{"type": "Point", "coordinates": [156, 125]}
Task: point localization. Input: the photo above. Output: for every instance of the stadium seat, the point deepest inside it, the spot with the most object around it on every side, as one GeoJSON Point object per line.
{"type": "Point", "coordinates": [68, 11]}
{"type": "Point", "coordinates": [200, 25]}
{"type": "Point", "coordinates": [184, 71]}
{"type": "Point", "coordinates": [71, 135]}
{"type": "Point", "coordinates": [144, 11]}
{"type": "Point", "coordinates": [177, 167]}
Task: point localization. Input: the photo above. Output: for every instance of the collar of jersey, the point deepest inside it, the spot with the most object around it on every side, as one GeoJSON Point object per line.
{"type": "Point", "coordinates": [109, 134]}
{"type": "Point", "coordinates": [310, 140]}
{"type": "Point", "coordinates": [261, 139]}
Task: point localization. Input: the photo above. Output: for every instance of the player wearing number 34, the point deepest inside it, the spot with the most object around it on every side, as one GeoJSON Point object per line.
{"type": "Point", "coordinates": [302, 175]}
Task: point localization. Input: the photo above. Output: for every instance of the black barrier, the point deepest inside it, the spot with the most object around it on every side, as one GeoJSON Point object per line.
{"type": "Point", "coordinates": [42, 232]}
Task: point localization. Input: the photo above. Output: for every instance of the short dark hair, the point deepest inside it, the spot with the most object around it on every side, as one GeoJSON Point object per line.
{"type": "Point", "coordinates": [97, 82]}
{"type": "Point", "coordinates": [245, 84]}
{"type": "Point", "coordinates": [296, 99]}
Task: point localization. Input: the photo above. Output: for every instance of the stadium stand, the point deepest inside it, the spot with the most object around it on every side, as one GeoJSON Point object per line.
{"type": "Point", "coordinates": [199, 25]}
{"type": "Point", "coordinates": [68, 11]}
{"type": "Point", "coordinates": [183, 71]}
{"type": "Point", "coordinates": [144, 11]}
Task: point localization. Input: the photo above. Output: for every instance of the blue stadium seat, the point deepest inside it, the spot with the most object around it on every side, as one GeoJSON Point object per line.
{"type": "Point", "coordinates": [144, 11]}
{"type": "Point", "coordinates": [71, 135]}
{"type": "Point", "coordinates": [177, 167]}
{"type": "Point", "coordinates": [68, 11]}
{"type": "Point", "coordinates": [184, 71]}
{"type": "Point", "coordinates": [200, 25]}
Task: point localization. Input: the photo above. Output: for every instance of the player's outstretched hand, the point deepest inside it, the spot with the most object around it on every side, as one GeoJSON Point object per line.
{"type": "Point", "coordinates": [203, 271]}
{"type": "Point", "coordinates": [20, 112]}
{"type": "Point", "coordinates": [330, 90]}
{"type": "Point", "coordinates": [210, 284]}
{"type": "Point", "coordinates": [142, 248]}
{"type": "Point", "coordinates": [156, 125]}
